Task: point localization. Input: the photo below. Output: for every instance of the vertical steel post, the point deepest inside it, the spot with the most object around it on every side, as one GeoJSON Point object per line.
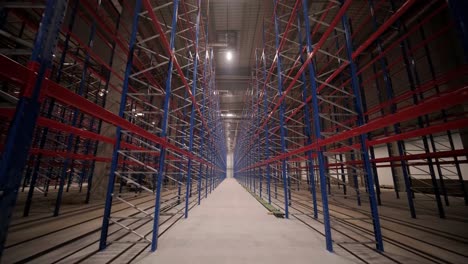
{"type": "Point", "coordinates": [184, 114]}
{"type": "Point", "coordinates": [363, 137]}
{"type": "Point", "coordinates": [449, 133]}
{"type": "Point", "coordinates": [162, 156]}
{"type": "Point", "coordinates": [75, 114]}
{"type": "Point", "coordinates": [20, 132]}
{"type": "Point", "coordinates": [411, 78]}
{"type": "Point", "coordinates": [281, 114]}
{"type": "Point", "coordinates": [192, 114]}
{"type": "Point", "coordinates": [317, 128]}
{"type": "Point", "coordinates": [308, 129]}
{"type": "Point", "coordinates": [202, 132]}
{"type": "Point", "coordinates": [258, 113]}
{"type": "Point", "coordinates": [265, 112]}
{"type": "Point", "coordinates": [389, 92]}
{"type": "Point", "coordinates": [208, 152]}
{"type": "Point", "coordinates": [43, 140]}
{"type": "Point", "coordinates": [115, 154]}
{"type": "Point", "coordinates": [252, 155]}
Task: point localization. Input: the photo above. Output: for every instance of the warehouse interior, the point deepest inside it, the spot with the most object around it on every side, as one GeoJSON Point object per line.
{"type": "Point", "coordinates": [234, 131]}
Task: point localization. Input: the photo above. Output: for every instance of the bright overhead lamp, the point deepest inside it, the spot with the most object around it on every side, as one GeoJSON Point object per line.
{"type": "Point", "coordinates": [229, 55]}
{"type": "Point", "coordinates": [228, 115]}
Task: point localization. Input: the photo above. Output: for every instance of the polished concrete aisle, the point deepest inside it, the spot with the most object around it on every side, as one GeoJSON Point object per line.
{"type": "Point", "coordinates": [232, 227]}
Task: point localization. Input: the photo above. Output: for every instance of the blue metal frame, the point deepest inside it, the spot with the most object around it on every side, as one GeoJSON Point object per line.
{"type": "Point", "coordinates": [400, 144]}
{"type": "Point", "coordinates": [281, 116]}
{"type": "Point", "coordinates": [265, 112]}
{"type": "Point", "coordinates": [162, 155]}
{"type": "Point", "coordinates": [308, 128]}
{"type": "Point", "coordinates": [363, 137]}
{"type": "Point", "coordinates": [209, 149]}
{"type": "Point", "coordinates": [68, 161]}
{"type": "Point", "coordinates": [32, 184]}
{"type": "Point", "coordinates": [203, 111]}
{"type": "Point", "coordinates": [20, 133]}
{"type": "Point", "coordinates": [257, 105]}
{"type": "Point", "coordinates": [413, 81]}
{"type": "Point", "coordinates": [463, 190]}
{"type": "Point", "coordinates": [192, 114]}
{"type": "Point", "coordinates": [317, 130]}
{"type": "Point", "coordinates": [115, 154]}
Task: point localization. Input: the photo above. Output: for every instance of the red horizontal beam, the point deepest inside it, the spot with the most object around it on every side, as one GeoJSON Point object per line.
{"type": "Point", "coordinates": [425, 163]}
{"type": "Point", "coordinates": [94, 12]}
{"type": "Point", "coordinates": [388, 22]}
{"type": "Point", "coordinates": [429, 105]}
{"type": "Point", "coordinates": [15, 72]}
{"type": "Point", "coordinates": [65, 96]}
{"type": "Point", "coordinates": [443, 127]}
{"type": "Point", "coordinates": [422, 156]}
{"type": "Point", "coordinates": [55, 125]}
{"type": "Point", "coordinates": [431, 155]}
{"type": "Point", "coordinates": [317, 46]}
{"type": "Point", "coordinates": [365, 45]}
{"type": "Point", "coordinates": [69, 155]}
{"type": "Point", "coordinates": [165, 43]}
{"type": "Point", "coordinates": [439, 80]}
{"type": "Point", "coordinates": [419, 156]}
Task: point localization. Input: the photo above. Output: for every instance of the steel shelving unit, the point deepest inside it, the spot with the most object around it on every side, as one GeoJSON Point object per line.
{"type": "Point", "coordinates": [329, 111]}
{"type": "Point", "coordinates": [118, 99]}
{"type": "Point", "coordinates": [130, 87]}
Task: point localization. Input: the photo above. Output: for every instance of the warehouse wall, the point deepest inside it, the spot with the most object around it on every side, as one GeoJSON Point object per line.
{"type": "Point", "coordinates": [445, 53]}
{"type": "Point", "coordinates": [385, 175]}
{"type": "Point", "coordinates": [230, 165]}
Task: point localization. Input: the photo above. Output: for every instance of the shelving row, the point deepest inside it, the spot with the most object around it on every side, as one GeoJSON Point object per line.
{"type": "Point", "coordinates": [115, 97]}
{"type": "Point", "coordinates": [352, 96]}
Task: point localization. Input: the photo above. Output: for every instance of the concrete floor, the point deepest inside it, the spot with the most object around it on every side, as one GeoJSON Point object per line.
{"type": "Point", "coordinates": [232, 227]}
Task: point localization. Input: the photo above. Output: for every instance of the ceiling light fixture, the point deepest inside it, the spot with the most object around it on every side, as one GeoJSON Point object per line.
{"type": "Point", "coordinates": [229, 55]}
{"type": "Point", "coordinates": [228, 52]}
